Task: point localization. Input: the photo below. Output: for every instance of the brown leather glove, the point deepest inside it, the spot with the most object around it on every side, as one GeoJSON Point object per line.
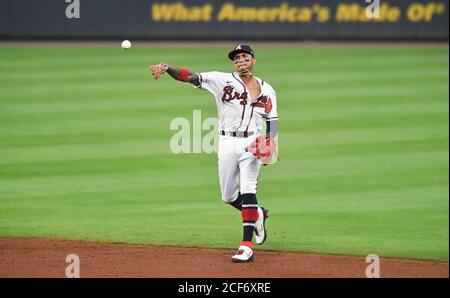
{"type": "Point", "coordinates": [158, 69]}
{"type": "Point", "coordinates": [263, 148]}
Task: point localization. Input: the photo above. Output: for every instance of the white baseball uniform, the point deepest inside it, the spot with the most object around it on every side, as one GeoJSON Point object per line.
{"type": "Point", "coordinates": [241, 120]}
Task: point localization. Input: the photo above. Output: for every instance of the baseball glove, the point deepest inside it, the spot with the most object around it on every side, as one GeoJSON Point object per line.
{"type": "Point", "coordinates": [158, 69]}
{"type": "Point", "coordinates": [263, 147]}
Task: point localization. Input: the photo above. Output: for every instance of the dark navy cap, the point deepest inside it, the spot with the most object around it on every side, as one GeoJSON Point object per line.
{"type": "Point", "coordinates": [242, 48]}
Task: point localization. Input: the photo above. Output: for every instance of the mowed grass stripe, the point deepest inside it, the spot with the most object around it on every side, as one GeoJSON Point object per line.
{"type": "Point", "coordinates": [142, 74]}
{"type": "Point", "coordinates": [365, 122]}
{"type": "Point", "coordinates": [136, 163]}
{"type": "Point", "coordinates": [344, 201]}
{"type": "Point", "coordinates": [376, 199]}
{"type": "Point", "coordinates": [127, 112]}
{"type": "Point", "coordinates": [355, 107]}
{"type": "Point", "coordinates": [347, 183]}
{"type": "Point", "coordinates": [307, 113]}
{"type": "Point", "coordinates": [377, 78]}
{"type": "Point", "coordinates": [334, 131]}
{"type": "Point", "coordinates": [308, 186]}
{"type": "Point", "coordinates": [143, 147]}
{"type": "Point", "coordinates": [377, 148]}
{"type": "Point", "coordinates": [344, 173]}
{"type": "Point", "coordinates": [55, 109]}
{"type": "Point", "coordinates": [116, 149]}
{"type": "Point", "coordinates": [182, 99]}
{"type": "Point", "coordinates": [149, 143]}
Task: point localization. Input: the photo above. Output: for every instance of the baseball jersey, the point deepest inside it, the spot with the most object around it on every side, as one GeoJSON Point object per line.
{"type": "Point", "coordinates": [236, 109]}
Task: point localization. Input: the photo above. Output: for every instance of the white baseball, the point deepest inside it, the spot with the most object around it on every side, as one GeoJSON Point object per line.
{"type": "Point", "coordinates": [126, 44]}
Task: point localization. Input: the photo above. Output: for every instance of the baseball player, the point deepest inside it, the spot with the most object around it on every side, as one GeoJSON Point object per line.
{"type": "Point", "coordinates": [244, 103]}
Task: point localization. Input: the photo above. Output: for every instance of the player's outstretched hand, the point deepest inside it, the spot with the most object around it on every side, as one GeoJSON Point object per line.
{"type": "Point", "coordinates": [157, 70]}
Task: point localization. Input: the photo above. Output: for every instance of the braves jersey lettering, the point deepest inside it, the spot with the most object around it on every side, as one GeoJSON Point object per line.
{"type": "Point", "coordinates": [228, 94]}
{"type": "Point", "coordinates": [237, 111]}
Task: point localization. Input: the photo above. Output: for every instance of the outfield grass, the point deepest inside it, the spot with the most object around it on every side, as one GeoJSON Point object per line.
{"type": "Point", "coordinates": [364, 143]}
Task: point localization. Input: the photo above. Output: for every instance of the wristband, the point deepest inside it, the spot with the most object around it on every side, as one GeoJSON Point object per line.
{"type": "Point", "coordinates": [183, 75]}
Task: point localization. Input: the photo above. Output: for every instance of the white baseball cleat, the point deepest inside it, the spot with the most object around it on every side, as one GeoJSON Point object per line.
{"type": "Point", "coordinates": [260, 226]}
{"type": "Point", "coordinates": [243, 255]}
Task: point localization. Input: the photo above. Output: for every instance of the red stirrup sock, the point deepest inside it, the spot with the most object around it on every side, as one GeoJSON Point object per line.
{"type": "Point", "coordinates": [247, 243]}
{"type": "Point", "coordinates": [249, 215]}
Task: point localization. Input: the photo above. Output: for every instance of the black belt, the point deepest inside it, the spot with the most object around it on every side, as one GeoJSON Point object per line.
{"type": "Point", "coordinates": [237, 134]}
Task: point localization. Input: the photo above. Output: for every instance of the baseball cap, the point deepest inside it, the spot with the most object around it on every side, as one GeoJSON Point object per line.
{"type": "Point", "coordinates": [241, 48]}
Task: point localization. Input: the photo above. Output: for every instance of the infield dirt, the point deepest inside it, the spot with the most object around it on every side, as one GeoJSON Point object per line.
{"type": "Point", "coordinates": [36, 257]}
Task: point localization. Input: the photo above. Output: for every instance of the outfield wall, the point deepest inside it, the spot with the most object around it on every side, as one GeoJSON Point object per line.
{"type": "Point", "coordinates": [225, 19]}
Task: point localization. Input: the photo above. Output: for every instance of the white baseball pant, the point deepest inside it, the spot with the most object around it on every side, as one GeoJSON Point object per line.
{"type": "Point", "coordinates": [238, 169]}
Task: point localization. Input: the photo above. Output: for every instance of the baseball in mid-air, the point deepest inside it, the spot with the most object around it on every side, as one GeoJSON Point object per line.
{"type": "Point", "coordinates": [126, 44]}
